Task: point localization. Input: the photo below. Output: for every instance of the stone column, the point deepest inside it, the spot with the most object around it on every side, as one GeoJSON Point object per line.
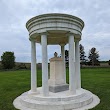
{"type": "Point", "coordinates": [77, 64]}
{"type": "Point", "coordinates": [63, 57]}
{"type": "Point", "coordinates": [72, 81]}
{"type": "Point", "coordinates": [33, 67]}
{"type": "Point", "coordinates": [45, 88]}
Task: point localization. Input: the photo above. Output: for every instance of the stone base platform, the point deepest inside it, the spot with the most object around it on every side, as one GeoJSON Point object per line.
{"type": "Point", "coordinates": [59, 88]}
{"type": "Point", "coordinates": [83, 100]}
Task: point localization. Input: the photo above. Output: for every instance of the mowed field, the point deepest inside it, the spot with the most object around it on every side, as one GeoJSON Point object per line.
{"type": "Point", "coordinates": [13, 83]}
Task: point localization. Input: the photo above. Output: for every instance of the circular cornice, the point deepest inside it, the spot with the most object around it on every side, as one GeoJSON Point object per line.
{"type": "Point", "coordinates": [56, 25]}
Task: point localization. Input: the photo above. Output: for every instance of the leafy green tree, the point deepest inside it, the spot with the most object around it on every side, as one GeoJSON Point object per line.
{"type": "Point", "coordinates": [82, 55]}
{"type": "Point", "coordinates": [93, 56]}
{"type": "Point", "coordinates": [8, 60]}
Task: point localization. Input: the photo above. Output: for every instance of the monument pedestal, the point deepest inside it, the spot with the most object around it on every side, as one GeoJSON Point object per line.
{"type": "Point", "coordinates": [57, 81]}
{"type": "Point", "coordinates": [58, 88]}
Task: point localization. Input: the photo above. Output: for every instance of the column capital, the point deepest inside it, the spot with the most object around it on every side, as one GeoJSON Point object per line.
{"type": "Point", "coordinates": [62, 44]}
{"type": "Point", "coordinates": [44, 33]}
{"type": "Point", "coordinates": [69, 34]}
{"type": "Point", "coordinates": [77, 39]}
{"type": "Point", "coordinates": [32, 39]}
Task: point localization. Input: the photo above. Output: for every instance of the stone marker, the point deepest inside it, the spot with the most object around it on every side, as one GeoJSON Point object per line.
{"type": "Point", "coordinates": [57, 78]}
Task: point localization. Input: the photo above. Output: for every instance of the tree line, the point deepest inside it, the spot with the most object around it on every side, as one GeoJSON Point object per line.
{"type": "Point", "coordinates": [91, 59]}
{"type": "Point", "coordinates": [8, 58]}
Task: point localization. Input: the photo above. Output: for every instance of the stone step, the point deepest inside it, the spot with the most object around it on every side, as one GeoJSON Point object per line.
{"type": "Point", "coordinates": [70, 104]}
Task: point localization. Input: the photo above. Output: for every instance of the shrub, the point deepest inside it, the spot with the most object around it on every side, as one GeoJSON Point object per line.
{"type": "Point", "coordinates": [8, 60]}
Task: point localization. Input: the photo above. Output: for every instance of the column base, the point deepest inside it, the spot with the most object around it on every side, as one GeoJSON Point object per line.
{"type": "Point", "coordinates": [33, 93]}
{"type": "Point", "coordinates": [58, 88]}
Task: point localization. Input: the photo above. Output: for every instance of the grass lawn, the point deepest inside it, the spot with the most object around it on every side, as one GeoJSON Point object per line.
{"type": "Point", "coordinates": [13, 83]}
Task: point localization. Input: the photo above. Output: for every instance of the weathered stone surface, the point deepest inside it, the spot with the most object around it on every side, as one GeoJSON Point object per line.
{"type": "Point", "coordinates": [83, 100]}
{"type": "Point", "coordinates": [57, 76]}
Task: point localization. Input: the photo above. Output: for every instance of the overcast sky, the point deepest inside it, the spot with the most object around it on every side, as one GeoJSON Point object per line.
{"type": "Point", "coordinates": [15, 13]}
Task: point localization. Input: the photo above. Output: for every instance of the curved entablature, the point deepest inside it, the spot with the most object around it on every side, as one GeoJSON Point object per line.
{"type": "Point", "coordinates": [57, 26]}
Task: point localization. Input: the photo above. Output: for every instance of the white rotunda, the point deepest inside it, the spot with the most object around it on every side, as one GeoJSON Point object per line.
{"type": "Point", "coordinates": [55, 93]}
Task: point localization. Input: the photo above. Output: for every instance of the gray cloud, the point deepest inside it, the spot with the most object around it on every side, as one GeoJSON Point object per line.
{"type": "Point", "coordinates": [15, 13]}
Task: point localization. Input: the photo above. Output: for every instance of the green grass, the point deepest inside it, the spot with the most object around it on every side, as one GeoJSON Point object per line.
{"type": "Point", "coordinates": [14, 83]}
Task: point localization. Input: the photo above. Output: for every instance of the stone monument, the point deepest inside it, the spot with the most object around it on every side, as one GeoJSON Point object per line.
{"type": "Point", "coordinates": [55, 93]}
{"type": "Point", "coordinates": [57, 80]}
